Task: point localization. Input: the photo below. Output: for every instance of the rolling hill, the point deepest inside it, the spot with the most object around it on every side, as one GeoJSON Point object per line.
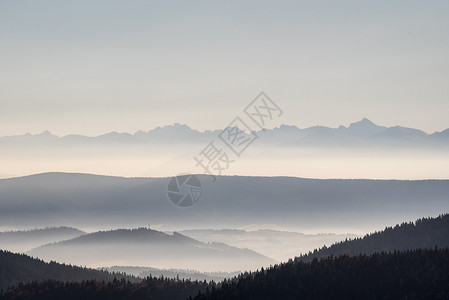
{"type": "Point", "coordinates": [146, 247]}
{"type": "Point", "coordinates": [314, 205]}
{"type": "Point", "coordinates": [389, 270]}
{"type": "Point", "coordinates": [417, 274]}
{"type": "Point", "coordinates": [425, 233]}
{"type": "Point", "coordinates": [408, 261]}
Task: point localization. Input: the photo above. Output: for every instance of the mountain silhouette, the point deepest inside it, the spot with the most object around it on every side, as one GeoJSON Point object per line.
{"type": "Point", "coordinates": [425, 233]}
{"type": "Point", "coordinates": [150, 248]}
{"type": "Point", "coordinates": [285, 134]}
{"type": "Point", "coordinates": [83, 200]}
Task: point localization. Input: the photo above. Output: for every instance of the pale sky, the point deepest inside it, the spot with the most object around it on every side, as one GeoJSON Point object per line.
{"type": "Point", "coordinates": [91, 67]}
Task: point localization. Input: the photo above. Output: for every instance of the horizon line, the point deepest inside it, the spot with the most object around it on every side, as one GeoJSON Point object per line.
{"type": "Point", "coordinates": [366, 120]}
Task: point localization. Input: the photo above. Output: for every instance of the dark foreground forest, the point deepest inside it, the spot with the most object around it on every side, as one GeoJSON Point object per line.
{"type": "Point", "coordinates": [149, 288]}
{"type": "Point", "coordinates": [409, 261]}
{"type": "Point", "coordinates": [20, 268]}
{"type": "Point", "coordinates": [415, 274]}
{"type": "Point", "coordinates": [424, 233]}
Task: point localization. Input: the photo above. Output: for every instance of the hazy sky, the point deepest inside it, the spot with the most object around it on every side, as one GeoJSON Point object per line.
{"type": "Point", "coordinates": [92, 67]}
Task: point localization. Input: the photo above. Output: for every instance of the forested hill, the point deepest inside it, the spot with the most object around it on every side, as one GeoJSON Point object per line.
{"type": "Point", "coordinates": [423, 233]}
{"type": "Point", "coordinates": [147, 247]}
{"type": "Point", "coordinates": [416, 274]}
{"type": "Point", "coordinates": [24, 277]}
{"type": "Point", "coordinates": [21, 268]}
{"type": "Point", "coordinates": [387, 270]}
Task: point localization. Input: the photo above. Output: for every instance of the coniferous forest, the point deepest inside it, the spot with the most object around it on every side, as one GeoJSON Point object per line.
{"type": "Point", "coordinates": [21, 268]}
{"type": "Point", "coordinates": [409, 261]}
{"type": "Point", "coordinates": [149, 288]}
{"type": "Point", "coordinates": [414, 274]}
{"type": "Point", "coordinates": [421, 234]}
{"type": "Point", "coordinates": [417, 274]}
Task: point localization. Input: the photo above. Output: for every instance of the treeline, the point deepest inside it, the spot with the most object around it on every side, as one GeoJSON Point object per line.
{"type": "Point", "coordinates": [58, 229]}
{"type": "Point", "coordinates": [425, 233]}
{"type": "Point", "coordinates": [149, 288]}
{"type": "Point", "coordinates": [20, 268]}
{"type": "Point", "coordinates": [398, 263]}
{"type": "Point", "coordinates": [413, 274]}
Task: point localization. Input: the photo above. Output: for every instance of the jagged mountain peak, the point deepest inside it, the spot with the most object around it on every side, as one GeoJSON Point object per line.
{"type": "Point", "coordinates": [363, 123]}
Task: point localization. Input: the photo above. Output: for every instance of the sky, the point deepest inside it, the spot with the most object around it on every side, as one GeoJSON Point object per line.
{"type": "Point", "coordinates": [91, 67]}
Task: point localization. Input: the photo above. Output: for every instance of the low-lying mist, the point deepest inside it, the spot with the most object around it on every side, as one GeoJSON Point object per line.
{"type": "Point", "coordinates": [166, 161]}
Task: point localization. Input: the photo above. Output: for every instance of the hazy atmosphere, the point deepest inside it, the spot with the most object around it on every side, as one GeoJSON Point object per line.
{"type": "Point", "coordinates": [91, 67]}
{"type": "Point", "coordinates": [224, 150]}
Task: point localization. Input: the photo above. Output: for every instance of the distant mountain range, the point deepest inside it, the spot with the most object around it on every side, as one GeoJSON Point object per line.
{"type": "Point", "coordinates": [363, 133]}
{"type": "Point", "coordinates": [361, 150]}
{"type": "Point", "coordinates": [146, 247]}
